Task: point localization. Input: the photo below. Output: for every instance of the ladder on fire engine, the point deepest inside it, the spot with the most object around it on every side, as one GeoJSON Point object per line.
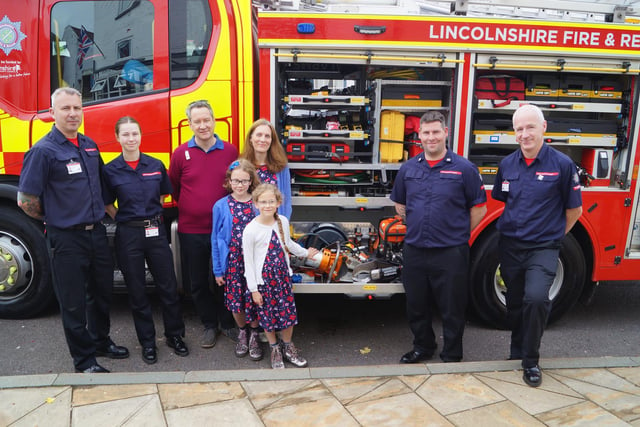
{"type": "Point", "coordinates": [617, 11]}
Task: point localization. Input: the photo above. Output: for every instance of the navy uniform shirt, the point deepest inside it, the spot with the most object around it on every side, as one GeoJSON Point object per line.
{"type": "Point", "coordinates": [438, 199]}
{"type": "Point", "coordinates": [137, 191]}
{"type": "Point", "coordinates": [66, 178]}
{"type": "Point", "coordinates": [536, 196]}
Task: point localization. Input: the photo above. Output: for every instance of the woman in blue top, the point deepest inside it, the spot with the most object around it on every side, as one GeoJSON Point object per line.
{"type": "Point", "coordinates": [263, 148]}
{"type": "Point", "coordinates": [230, 215]}
{"type": "Point", "coordinates": [139, 183]}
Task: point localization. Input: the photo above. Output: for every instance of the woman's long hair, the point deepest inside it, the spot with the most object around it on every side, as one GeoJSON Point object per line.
{"type": "Point", "coordinates": [276, 156]}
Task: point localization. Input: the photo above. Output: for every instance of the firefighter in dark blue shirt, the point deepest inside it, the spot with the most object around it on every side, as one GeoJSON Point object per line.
{"type": "Point", "coordinates": [442, 198]}
{"type": "Point", "coordinates": [541, 191]}
{"type": "Point", "coordinates": [139, 183]}
{"type": "Point", "coordinates": [60, 184]}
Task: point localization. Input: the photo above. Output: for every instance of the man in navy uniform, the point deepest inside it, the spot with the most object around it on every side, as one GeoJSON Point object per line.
{"type": "Point", "coordinates": [60, 184]}
{"type": "Point", "coordinates": [541, 191]}
{"type": "Point", "coordinates": [441, 196]}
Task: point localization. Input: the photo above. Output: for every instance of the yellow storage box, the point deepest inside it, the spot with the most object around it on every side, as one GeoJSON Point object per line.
{"type": "Point", "coordinates": [391, 136]}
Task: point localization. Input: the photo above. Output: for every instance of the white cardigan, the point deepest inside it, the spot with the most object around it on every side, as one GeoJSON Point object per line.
{"type": "Point", "coordinates": [255, 244]}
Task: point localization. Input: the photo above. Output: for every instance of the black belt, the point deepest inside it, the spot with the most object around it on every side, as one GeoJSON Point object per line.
{"type": "Point", "coordinates": [83, 227]}
{"type": "Point", "coordinates": [151, 222]}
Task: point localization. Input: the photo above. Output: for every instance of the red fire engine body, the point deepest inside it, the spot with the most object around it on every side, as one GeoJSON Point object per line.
{"type": "Point", "coordinates": [344, 88]}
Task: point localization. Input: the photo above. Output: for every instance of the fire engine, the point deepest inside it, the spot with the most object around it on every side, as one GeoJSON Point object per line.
{"type": "Point", "coordinates": [345, 83]}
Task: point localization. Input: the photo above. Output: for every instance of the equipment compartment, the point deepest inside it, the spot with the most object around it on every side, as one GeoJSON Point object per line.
{"type": "Point", "coordinates": [343, 127]}
{"type": "Point", "coordinates": [586, 114]}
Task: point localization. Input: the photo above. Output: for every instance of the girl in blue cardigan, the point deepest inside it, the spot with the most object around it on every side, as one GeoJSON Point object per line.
{"type": "Point", "coordinates": [230, 216]}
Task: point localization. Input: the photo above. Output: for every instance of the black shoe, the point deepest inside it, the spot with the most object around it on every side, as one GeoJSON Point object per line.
{"type": "Point", "coordinates": [415, 356]}
{"type": "Point", "coordinates": [93, 369]}
{"type": "Point", "coordinates": [178, 346]}
{"type": "Point", "coordinates": [149, 355]}
{"type": "Point", "coordinates": [532, 376]}
{"type": "Point", "coordinates": [450, 359]}
{"type": "Point", "coordinates": [113, 351]}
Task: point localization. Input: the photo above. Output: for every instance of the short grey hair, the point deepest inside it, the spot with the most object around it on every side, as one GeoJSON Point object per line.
{"type": "Point", "coordinates": [202, 103]}
{"type": "Point", "coordinates": [530, 108]}
{"type": "Point", "coordinates": [65, 90]}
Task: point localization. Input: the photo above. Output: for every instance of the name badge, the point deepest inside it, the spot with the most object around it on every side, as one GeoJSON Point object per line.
{"type": "Point", "coordinates": [505, 186]}
{"type": "Point", "coordinates": [73, 168]}
{"type": "Point", "coordinates": [151, 232]}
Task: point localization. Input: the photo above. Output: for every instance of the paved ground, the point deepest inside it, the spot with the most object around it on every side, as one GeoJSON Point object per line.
{"type": "Point", "coordinates": [575, 392]}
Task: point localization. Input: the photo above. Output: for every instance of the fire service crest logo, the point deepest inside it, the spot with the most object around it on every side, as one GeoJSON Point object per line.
{"type": "Point", "coordinates": [10, 35]}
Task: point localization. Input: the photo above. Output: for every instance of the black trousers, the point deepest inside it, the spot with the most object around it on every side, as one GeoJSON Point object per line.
{"type": "Point", "coordinates": [133, 248]}
{"type": "Point", "coordinates": [440, 276]}
{"type": "Point", "coordinates": [208, 299]}
{"type": "Point", "coordinates": [82, 270]}
{"type": "Point", "coordinates": [528, 270]}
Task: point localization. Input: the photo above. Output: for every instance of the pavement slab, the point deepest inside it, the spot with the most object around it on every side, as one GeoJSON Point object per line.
{"type": "Point", "coordinates": [323, 412]}
{"type": "Point", "coordinates": [573, 393]}
{"type": "Point", "coordinates": [390, 387]}
{"type": "Point", "coordinates": [532, 400]}
{"type": "Point", "coordinates": [501, 414]}
{"type": "Point", "coordinates": [174, 396]}
{"type": "Point", "coordinates": [585, 414]}
{"type": "Point", "coordinates": [630, 374]}
{"type": "Point", "coordinates": [602, 377]}
{"type": "Point", "coordinates": [549, 382]}
{"type": "Point", "coordinates": [17, 403]}
{"type": "Point", "coordinates": [413, 381]}
{"type": "Point", "coordinates": [86, 395]}
{"type": "Point", "coordinates": [284, 393]}
{"type": "Point", "coordinates": [402, 410]}
{"type": "Point", "coordinates": [231, 413]}
{"type": "Point", "coordinates": [134, 411]}
{"type": "Point", "coordinates": [621, 404]}
{"type": "Point", "coordinates": [55, 411]}
{"type": "Point", "coordinates": [450, 393]}
{"type": "Point", "coordinates": [346, 390]}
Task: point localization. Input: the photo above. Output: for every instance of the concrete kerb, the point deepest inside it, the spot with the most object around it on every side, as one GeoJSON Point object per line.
{"type": "Point", "coordinates": [589, 362]}
{"type": "Point", "coordinates": [68, 379]}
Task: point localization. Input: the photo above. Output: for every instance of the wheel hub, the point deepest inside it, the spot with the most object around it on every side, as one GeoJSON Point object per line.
{"type": "Point", "coordinates": [15, 265]}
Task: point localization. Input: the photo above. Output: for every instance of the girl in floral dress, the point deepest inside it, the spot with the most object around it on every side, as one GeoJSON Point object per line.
{"type": "Point", "coordinates": [230, 216]}
{"type": "Point", "coordinates": [267, 243]}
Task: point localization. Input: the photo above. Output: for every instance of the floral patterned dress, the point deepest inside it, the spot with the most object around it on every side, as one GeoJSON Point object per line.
{"type": "Point", "coordinates": [237, 297]}
{"type": "Point", "coordinates": [265, 176]}
{"type": "Point", "coordinates": [278, 311]}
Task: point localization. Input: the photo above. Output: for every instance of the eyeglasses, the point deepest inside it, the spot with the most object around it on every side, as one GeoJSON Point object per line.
{"type": "Point", "coordinates": [267, 202]}
{"type": "Point", "coordinates": [240, 181]}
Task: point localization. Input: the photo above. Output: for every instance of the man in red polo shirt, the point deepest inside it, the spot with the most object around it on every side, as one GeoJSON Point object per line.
{"type": "Point", "coordinates": [197, 172]}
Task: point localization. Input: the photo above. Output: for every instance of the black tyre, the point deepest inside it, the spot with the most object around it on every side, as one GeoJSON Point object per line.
{"type": "Point", "coordinates": [25, 283]}
{"type": "Point", "coordinates": [488, 290]}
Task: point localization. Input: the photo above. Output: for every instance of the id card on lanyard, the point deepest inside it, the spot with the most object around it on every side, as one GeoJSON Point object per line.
{"type": "Point", "coordinates": [151, 231]}
{"type": "Point", "coordinates": [74, 167]}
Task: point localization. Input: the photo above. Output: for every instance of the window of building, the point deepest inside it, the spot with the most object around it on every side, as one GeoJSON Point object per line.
{"type": "Point", "coordinates": [126, 6]}
{"type": "Point", "coordinates": [123, 49]}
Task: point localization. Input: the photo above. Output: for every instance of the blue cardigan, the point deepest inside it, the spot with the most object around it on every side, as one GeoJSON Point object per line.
{"type": "Point", "coordinates": [221, 236]}
{"type": "Point", "coordinates": [284, 185]}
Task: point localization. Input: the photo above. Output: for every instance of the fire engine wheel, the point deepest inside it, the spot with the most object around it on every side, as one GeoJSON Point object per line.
{"type": "Point", "coordinates": [488, 290]}
{"type": "Point", "coordinates": [25, 284]}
